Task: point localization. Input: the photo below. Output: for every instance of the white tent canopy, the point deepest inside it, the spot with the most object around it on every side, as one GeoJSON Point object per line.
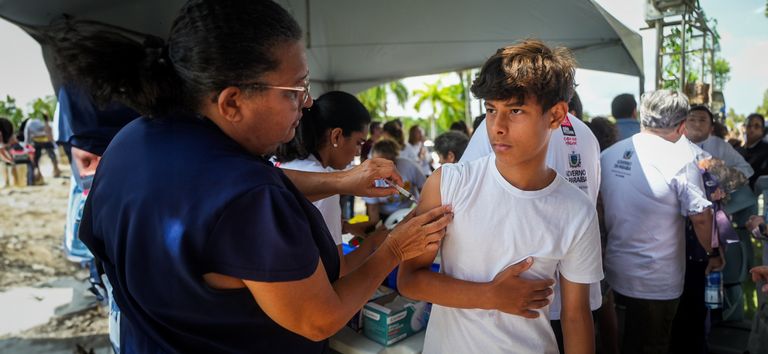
{"type": "Point", "coordinates": [356, 44]}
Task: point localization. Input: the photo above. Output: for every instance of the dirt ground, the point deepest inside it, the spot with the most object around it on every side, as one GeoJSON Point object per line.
{"type": "Point", "coordinates": [31, 253]}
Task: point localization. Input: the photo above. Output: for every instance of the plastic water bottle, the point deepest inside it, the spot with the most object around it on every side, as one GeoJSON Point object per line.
{"type": "Point", "coordinates": [75, 250]}
{"type": "Point", "coordinates": [713, 290]}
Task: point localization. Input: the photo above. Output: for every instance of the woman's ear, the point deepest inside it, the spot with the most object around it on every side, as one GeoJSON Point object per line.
{"type": "Point", "coordinates": [558, 112]}
{"type": "Point", "coordinates": [229, 103]}
{"type": "Point", "coordinates": [335, 136]}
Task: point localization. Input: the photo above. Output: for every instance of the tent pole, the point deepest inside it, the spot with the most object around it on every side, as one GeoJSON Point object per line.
{"type": "Point", "coordinates": [309, 32]}
{"type": "Point", "coordinates": [683, 28]}
{"type": "Point", "coordinates": [659, 53]}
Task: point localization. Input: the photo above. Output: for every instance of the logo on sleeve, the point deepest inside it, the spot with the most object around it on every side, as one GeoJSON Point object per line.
{"type": "Point", "coordinates": [628, 154]}
{"type": "Point", "coordinates": [567, 127]}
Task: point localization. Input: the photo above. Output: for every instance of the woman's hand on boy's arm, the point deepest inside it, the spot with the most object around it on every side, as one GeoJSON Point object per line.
{"type": "Point", "coordinates": [507, 292]}
{"type": "Point", "coordinates": [576, 317]}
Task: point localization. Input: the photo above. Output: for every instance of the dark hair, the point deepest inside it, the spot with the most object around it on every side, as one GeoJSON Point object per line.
{"type": "Point", "coordinates": [460, 126]}
{"type": "Point", "coordinates": [451, 141]}
{"type": "Point", "coordinates": [389, 148]}
{"type": "Point", "coordinates": [756, 116]}
{"type": "Point", "coordinates": [331, 110]}
{"type": "Point", "coordinates": [212, 45]}
{"type": "Point", "coordinates": [23, 126]}
{"type": "Point", "coordinates": [719, 130]}
{"type": "Point", "coordinates": [703, 108]}
{"type": "Point", "coordinates": [395, 130]}
{"type": "Point", "coordinates": [527, 68]}
{"type": "Point", "coordinates": [412, 133]}
{"type": "Point", "coordinates": [373, 126]}
{"type": "Point", "coordinates": [605, 131]}
{"type": "Point", "coordinates": [574, 105]}
{"type": "Point", "coordinates": [623, 106]}
{"type": "Point", "coordinates": [6, 129]}
{"type": "Point", "coordinates": [476, 123]}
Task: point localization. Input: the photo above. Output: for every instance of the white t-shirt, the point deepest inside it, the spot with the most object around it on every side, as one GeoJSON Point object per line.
{"type": "Point", "coordinates": [556, 225]}
{"type": "Point", "coordinates": [649, 185]}
{"type": "Point", "coordinates": [330, 207]}
{"type": "Point", "coordinates": [413, 181]}
{"type": "Point", "coordinates": [35, 128]}
{"type": "Point", "coordinates": [573, 152]}
{"type": "Point", "coordinates": [721, 150]}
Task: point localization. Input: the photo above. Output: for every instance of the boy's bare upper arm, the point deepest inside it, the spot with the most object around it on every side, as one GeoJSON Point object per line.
{"type": "Point", "coordinates": [430, 198]}
{"type": "Point", "coordinates": [574, 295]}
{"type": "Point", "coordinates": [576, 317]}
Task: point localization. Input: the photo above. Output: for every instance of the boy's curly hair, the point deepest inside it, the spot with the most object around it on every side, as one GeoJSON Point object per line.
{"type": "Point", "coordinates": [527, 68]}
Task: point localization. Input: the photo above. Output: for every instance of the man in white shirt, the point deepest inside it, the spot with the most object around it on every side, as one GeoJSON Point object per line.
{"type": "Point", "coordinates": [698, 129]}
{"type": "Point", "coordinates": [689, 327]}
{"type": "Point", "coordinates": [650, 182]}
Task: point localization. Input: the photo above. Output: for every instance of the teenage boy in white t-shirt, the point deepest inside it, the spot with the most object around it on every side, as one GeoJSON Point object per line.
{"type": "Point", "coordinates": [507, 207]}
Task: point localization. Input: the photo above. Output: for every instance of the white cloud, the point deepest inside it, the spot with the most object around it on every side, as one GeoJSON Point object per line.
{"type": "Point", "coordinates": [759, 11]}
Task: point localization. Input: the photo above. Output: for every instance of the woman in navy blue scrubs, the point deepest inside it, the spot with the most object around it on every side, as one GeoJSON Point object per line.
{"type": "Point", "coordinates": [208, 247]}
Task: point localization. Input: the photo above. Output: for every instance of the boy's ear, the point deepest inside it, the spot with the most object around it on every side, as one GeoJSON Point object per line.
{"type": "Point", "coordinates": [557, 114]}
{"type": "Point", "coordinates": [451, 158]}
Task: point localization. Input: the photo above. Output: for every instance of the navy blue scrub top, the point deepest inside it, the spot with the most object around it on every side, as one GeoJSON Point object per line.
{"type": "Point", "coordinates": [85, 125]}
{"type": "Point", "coordinates": [176, 198]}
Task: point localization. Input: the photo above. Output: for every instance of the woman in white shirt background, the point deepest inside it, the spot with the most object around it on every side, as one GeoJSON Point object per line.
{"type": "Point", "coordinates": [415, 150]}
{"type": "Point", "coordinates": [328, 138]}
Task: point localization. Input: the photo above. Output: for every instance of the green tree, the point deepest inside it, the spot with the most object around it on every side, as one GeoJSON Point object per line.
{"type": "Point", "coordinates": [375, 99]}
{"type": "Point", "coordinates": [733, 119]}
{"type": "Point", "coordinates": [455, 112]}
{"type": "Point", "coordinates": [722, 73]}
{"type": "Point", "coordinates": [465, 80]}
{"type": "Point", "coordinates": [672, 45]}
{"type": "Point", "coordinates": [445, 102]}
{"type": "Point", "coordinates": [42, 106]}
{"type": "Point", "coordinates": [763, 108]}
{"type": "Point", "coordinates": [8, 109]}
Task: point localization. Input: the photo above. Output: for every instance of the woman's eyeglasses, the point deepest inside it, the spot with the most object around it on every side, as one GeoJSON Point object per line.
{"type": "Point", "coordinates": [302, 91]}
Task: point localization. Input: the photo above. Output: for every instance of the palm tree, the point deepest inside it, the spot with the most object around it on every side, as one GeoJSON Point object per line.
{"type": "Point", "coordinates": [10, 110]}
{"type": "Point", "coordinates": [446, 103]}
{"type": "Point", "coordinates": [42, 106]}
{"type": "Point", "coordinates": [465, 80]}
{"type": "Point", "coordinates": [375, 99]}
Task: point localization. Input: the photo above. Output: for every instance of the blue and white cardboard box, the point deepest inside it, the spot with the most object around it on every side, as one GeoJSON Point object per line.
{"type": "Point", "coordinates": [392, 318]}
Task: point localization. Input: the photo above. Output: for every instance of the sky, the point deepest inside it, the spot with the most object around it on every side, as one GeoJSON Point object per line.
{"type": "Point", "coordinates": [742, 26]}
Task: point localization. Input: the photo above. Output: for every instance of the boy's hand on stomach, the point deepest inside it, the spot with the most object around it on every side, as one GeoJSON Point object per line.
{"type": "Point", "coordinates": [517, 296]}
